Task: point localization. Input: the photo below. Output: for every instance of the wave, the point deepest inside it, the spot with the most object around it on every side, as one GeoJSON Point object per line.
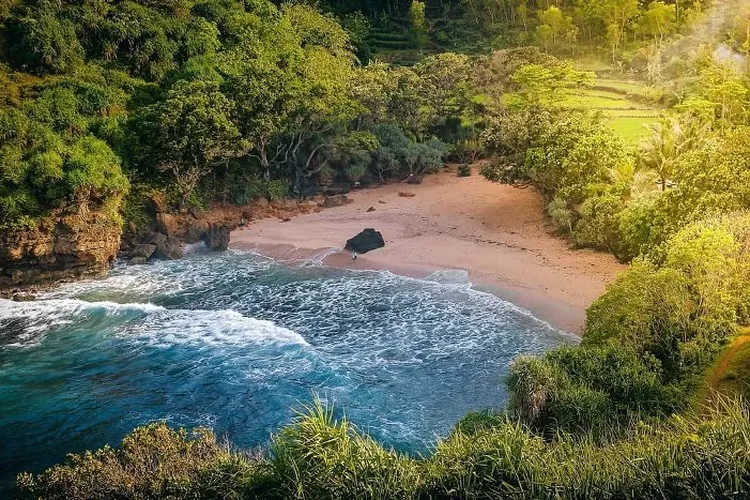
{"type": "Point", "coordinates": [156, 325]}
{"type": "Point", "coordinates": [450, 277]}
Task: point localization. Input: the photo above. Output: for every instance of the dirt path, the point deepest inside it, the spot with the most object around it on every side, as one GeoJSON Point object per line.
{"type": "Point", "coordinates": [715, 379]}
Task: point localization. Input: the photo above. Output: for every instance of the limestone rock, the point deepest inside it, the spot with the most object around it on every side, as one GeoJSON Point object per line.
{"type": "Point", "coordinates": [142, 251]}
{"type": "Point", "coordinates": [167, 247]}
{"type": "Point", "coordinates": [166, 223]}
{"type": "Point", "coordinates": [366, 241]}
{"type": "Point", "coordinates": [61, 247]}
{"type": "Point", "coordinates": [217, 237]}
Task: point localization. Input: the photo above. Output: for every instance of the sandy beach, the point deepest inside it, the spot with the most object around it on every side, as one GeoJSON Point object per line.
{"type": "Point", "coordinates": [498, 233]}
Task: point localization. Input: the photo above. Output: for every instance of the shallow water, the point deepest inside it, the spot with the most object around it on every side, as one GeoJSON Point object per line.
{"type": "Point", "coordinates": [238, 342]}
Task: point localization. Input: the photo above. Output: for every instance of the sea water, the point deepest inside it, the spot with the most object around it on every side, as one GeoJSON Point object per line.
{"type": "Point", "coordinates": [240, 343]}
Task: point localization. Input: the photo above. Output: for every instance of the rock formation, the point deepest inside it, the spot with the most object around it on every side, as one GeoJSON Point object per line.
{"type": "Point", "coordinates": [216, 237]}
{"type": "Point", "coordinates": [61, 247]}
{"type": "Point", "coordinates": [366, 241]}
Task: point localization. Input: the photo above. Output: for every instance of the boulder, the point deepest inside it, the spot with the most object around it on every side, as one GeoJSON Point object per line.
{"type": "Point", "coordinates": [216, 237]}
{"type": "Point", "coordinates": [166, 223]}
{"type": "Point", "coordinates": [167, 247]}
{"type": "Point", "coordinates": [142, 251]}
{"type": "Point", "coordinates": [367, 240]}
{"type": "Point", "coordinates": [155, 238]}
{"type": "Point", "coordinates": [195, 231]}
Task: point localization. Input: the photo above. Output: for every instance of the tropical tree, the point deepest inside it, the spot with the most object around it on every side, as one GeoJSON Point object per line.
{"type": "Point", "coordinates": [188, 134]}
{"type": "Point", "coordinates": [669, 139]}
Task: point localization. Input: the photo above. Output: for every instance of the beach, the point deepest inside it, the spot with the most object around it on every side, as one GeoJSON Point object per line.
{"type": "Point", "coordinates": [499, 234]}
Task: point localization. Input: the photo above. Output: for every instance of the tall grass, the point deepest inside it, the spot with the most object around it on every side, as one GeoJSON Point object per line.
{"type": "Point", "coordinates": [486, 456]}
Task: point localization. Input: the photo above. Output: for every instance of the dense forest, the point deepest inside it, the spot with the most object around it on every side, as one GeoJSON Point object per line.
{"type": "Point", "coordinates": [213, 102]}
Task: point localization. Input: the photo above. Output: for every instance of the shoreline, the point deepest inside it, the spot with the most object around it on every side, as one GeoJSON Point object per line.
{"type": "Point", "coordinates": [557, 314]}
{"type": "Point", "coordinates": [499, 234]}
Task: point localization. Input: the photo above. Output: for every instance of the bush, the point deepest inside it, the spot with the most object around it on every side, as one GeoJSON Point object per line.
{"type": "Point", "coordinates": [635, 226]}
{"type": "Point", "coordinates": [645, 309]}
{"type": "Point", "coordinates": [574, 155]}
{"type": "Point", "coordinates": [598, 226]}
{"type": "Point", "coordinates": [256, 190]}
{"type": "Point", "coordinates": [562, 217]}
{"type": "Point", "coordinates": [152, 462]}
{"type": "Point", "coordinates": [464, 170]}
{"type": "Point", "coordinates": [589, 389]}
{"type": "Point", "coordinates": [319, 457]}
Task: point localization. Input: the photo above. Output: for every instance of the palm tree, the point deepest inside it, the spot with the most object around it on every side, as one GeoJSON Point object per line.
{"type": "Point", "coordinates": [670, 138]}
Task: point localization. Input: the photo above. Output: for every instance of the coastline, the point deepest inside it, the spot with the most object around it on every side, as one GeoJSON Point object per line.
{"type": "Point", "coordinates": [499, 234]}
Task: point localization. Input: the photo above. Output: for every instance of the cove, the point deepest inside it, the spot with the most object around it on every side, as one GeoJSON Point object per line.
{"type": "Point", "coordinates": [239, 342]}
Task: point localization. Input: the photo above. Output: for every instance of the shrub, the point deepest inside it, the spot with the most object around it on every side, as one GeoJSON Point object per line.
{"type": "Point", "coordinates": [464, 170]}
{"type": "Point", "coordinates": [598, 226]}
{"type": "Point", "coordinates": [647, 309]}
{"type": "Point", "coordinates": [562, 217]}
{"type": "Point", "coordinates": [320, 457]}
{"type": "Point", "coordinates": [573, 155]}
{"type": "Point", "coordinates": [635, 224]}
{"type": "Point", "coordinates": [152, 462]}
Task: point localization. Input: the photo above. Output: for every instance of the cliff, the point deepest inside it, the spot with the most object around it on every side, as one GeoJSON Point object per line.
{"type": "Point", "coordinates": [62, 247]}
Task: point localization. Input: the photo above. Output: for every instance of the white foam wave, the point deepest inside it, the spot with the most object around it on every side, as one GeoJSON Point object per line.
{"type": "Point", "coordinates": [217, 328]}
{"type": "Point", "coordinates": [450, 277]}
{"type": "Point", "coordinates": [318, 259]}
{"type": "Point", "coordinates": [154, 324]}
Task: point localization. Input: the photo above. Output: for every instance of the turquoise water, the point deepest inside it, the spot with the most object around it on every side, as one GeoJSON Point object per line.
{"type": "Point", "coordinates": [238, 342]}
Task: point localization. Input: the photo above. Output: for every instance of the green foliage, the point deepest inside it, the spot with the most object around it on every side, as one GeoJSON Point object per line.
{"type": "Point", "coordinates": [152, 462]}
{"type": "Point", "coordinates": [188, 134]}
{"type": "Point", "coordinates": [598, 227]}
{"type": "Point", "coordinates": [489, 456]}
{"type": "Point", "coordinates": [574, 155]}
{"type": "Point", "coordinates": [418, 23]}
{"type": "Point", "coordinates": [562, 217]}
{"type": "Point", "coordinates": [321, 457]}
{"type": "Point", "coordinates": [590, 389]}
{"type": "Point", "coordinates": [44, 43]}
{"type": "Point", "coordinates": [261, 190]}
{"type": "Point", "coordinates": [682, 309]}
{"type": "Point", "coordinates": [543, 84]}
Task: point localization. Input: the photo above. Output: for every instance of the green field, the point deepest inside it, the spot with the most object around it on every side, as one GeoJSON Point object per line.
{"type": "Point", "coordinates": [629, 105]}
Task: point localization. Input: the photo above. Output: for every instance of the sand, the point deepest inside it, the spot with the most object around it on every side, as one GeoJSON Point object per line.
{"type": "Point", "coordinates": [498, 233]}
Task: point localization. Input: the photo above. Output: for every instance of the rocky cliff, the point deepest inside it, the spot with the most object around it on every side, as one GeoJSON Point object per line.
{"type": "Point", "coordinates": [61, 248]}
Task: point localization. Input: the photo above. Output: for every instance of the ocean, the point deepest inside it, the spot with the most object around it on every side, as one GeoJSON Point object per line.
{"type": "Point", "coordinates": [241, 343]}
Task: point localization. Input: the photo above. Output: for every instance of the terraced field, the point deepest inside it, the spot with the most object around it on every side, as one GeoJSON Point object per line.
{"type": "Point", "coordinates": [630, 106]}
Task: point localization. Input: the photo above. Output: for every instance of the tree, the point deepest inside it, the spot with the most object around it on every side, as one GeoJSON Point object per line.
{"type": "Point", "coordinates": [418, 24]}
{"type": "Point", "coordinates": [44, 43]}
{"type": "Point", "coordinates": [544, 84]}
{"type": "Point", "coordinates": [669, 139]}
{"type": "Point", "coordinates": [659, 20]}
{"type": "Point", "coordinates": [616, 14]}
{"type": "Point", "coordinates": [189, 133]}
{"type": "Point", "coordinates": [444, 85]}
{"type": "Point", "coordinates": [557, 24]}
